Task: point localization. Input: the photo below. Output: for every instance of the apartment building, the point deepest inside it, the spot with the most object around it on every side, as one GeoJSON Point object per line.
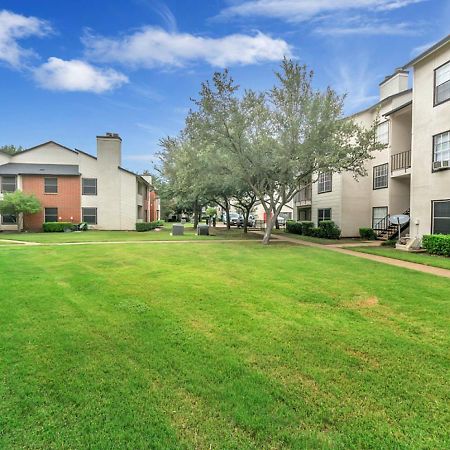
{"type": "Point", "coordinates": [411, 175]}
{"type": "Point", "coordinates": [74, 186]}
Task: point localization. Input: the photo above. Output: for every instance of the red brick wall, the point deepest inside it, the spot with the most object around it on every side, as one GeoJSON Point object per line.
{"type": "Point", "coordinates": [152, 206]}
{"type": "Point", "coordinates": [67, 200]}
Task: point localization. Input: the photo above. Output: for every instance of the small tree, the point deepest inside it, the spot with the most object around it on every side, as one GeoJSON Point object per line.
{"type": "Point", "coordinates": [18, 203]}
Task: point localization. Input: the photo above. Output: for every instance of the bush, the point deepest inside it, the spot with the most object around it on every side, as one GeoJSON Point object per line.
{"type": "Point", "coordinates": [294, 227]}
{"type": "Point", "coordinates": [56, 227]}
{"type": "Point", "coordinates": [147, 226]}
{"type": "Point", "coordinates": [314, 232]}
{"type": "Point", "coordinates": [437, 244]}
{"type": "Point", "coordinates": [307, 228]}
{"type": "Point", "coordinates": [389, 243]}
{"type": "Point", "coordinates": [329, 230]}
{"type": "Point", "coordinates": [367, 233]}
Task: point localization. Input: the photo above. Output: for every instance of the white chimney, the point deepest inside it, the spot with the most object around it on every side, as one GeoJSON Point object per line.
{"type": "Point", "coordinates": [394, 84]}
{"type": "Point", "coordinates": [109, 150]}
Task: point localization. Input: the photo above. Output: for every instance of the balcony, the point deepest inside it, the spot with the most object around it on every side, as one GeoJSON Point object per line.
{"type": "Point", "coordinates": [401, 164]}
{"type": "Point", "coordinates": [303, 196]}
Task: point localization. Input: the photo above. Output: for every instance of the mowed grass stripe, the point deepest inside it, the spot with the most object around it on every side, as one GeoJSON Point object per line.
{"type": "Point", "coordinates": [234, 346]}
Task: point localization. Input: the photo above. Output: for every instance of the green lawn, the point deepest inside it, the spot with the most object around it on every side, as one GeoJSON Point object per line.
{"type": "Point", "coordinates": [221, 345]}
{"type": "Point", "coordinates": [420, 258]}
{"type": "Point", "coordinates": [111, 236]}
{"type": "Point", "coordinates": [318, 240]}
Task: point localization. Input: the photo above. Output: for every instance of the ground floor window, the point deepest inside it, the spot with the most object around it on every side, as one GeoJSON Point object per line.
{"type": "Point", "coordinates": [90, 215]}
{"type": "Point", "coordinates": [323, 214]}
{"type": "Point", "coordinates": [379, 214]}
{"type": "Point", "coordinates": [304, 214]}
{"type": "Point", "coordinates": [51, 215]}
{"type": "Point", "coordinates": [441, 217]}
{"type": "Point", "coordinates": [9, 219]}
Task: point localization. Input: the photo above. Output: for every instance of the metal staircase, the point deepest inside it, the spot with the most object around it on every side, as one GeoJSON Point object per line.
{"type": "Point", "coordinates": [386, 230]}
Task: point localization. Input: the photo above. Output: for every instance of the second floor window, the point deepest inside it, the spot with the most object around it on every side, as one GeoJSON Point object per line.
{"type": "Point", "coordinates": [324, 182]}
{"type": "Point", "coordinates": [382, 133]}
{"type": "Point", "coordinates": [9, 183]}
{"type": "Point", "coordinates": [441, 144]}
{"type": "Point", "coordinates": [89, 186]}
{"type": "Point", "coordinates": [380, 176]}
{"type": "Point", "coordinates": [442, 84]}
{"type": "Point", "coordinates": [51, 185]}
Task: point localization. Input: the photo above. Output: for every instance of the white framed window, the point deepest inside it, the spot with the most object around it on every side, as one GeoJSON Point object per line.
{"type": "Point", "coordinates": [441, 147]}
{"type": "Point", "coordinates": [89, 215]}
{"type": "Point", "coordinates": [51, 185]}
{"type": "Point", "coordinates": [51, 215]}
{"type": "Point", "coordinates": [382, 132]}
{"type": "Point", "coordinates": [323, 214]}
{"type": "Point", "coordinates": [325, 182]}
{"type": "Point", "coordinates": [9, 219]}
{"type": "Point", "coordinates": [380, 176]}
{"type": "Point", "coordinates": [379, 217]}
{"type": "Point", "coordinates": [9, 183]}
{"type": "Point", "coordinates": [89, 186]}
{"type": "Point", "coordinates": [441, 217]}
{"type": "Point", "coordinates": [442, 84]}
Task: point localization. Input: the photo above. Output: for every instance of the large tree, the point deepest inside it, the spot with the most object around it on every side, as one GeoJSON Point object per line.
{"type": "Point", "coordinates": [11, 149]}
{"type": "Point", "coordinates": [277, 140]}
{"type": "Point", "coordinates": [17, 204]}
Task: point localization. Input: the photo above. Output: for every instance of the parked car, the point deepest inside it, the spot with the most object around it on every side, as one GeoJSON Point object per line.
{"type": "Point", "coordinates": [251, 221]}
{"type": "Point", "coordinates": [236, 220]}
{"type": "Point", "coordinates": [281, 221]}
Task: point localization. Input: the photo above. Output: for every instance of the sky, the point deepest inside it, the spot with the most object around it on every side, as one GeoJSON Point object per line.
{"type": "Point", "coordinates": [72, 70]}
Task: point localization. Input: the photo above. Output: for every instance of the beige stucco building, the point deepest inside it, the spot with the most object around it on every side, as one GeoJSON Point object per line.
{"type": "Point", "coordinates": [74, 186]}
{"type": "Point", "coordinates": [412, 174]}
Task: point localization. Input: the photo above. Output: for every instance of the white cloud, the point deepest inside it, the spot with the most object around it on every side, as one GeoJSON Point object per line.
{"type": "Point", "coordinates": [421, 48]}
{"type": "Point", "coordinates": [154, 47]}
{"type": "Point", "coordinates": [302, 10]}
{"type": "Point", "coordinates": [75, 75]}
{"type": "Point", "coordinates": [371, 28]}
{"type": "Point", "coordinates": [14, 27]}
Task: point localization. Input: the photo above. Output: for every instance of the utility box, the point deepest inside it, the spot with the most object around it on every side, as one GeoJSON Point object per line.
{"type": "Point", "coordinates": [177, 230]}
{"type": "Point", "coordinates": [202, 230]}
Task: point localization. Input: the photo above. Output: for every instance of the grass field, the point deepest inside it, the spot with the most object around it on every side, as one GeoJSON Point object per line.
{"type": "Point", "coordinates": [420, 258]}
{"type": "Point", "coordinates": [111, 236]}
{"type": "Point", "coordinates": [224, 345]}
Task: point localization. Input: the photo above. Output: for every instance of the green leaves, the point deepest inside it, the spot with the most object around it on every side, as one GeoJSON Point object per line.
{"type": "Point", "coordinates": [19, 203]}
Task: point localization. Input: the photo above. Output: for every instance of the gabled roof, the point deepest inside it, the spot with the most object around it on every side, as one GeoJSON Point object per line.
{"type": "Point", "coordinates": [45, 143]}
{"type": "Point", "coordinates": [427, 52]}
{"type": "Point", "coordinates": [39, 169]}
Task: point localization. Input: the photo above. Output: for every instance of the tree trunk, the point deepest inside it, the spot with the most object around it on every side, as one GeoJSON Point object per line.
{"type": "Point", "coordinates": [247, 213]}
{"type": "Point", "coordinates": [277, 225]}
{"type": "Point", "coordinates": [195, 214]}
{"type": "Point", "coordinates": [227, 213]}
{"type": "Point", "coordinates": [268, 232]}
{"type": "Point", "coordinates": [20, 224]}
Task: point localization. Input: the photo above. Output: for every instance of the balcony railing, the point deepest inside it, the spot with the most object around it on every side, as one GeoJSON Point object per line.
{"type": "Point", "coordinates": [304, 195]}
{"type": "Point", "coordinates": [401, 161]}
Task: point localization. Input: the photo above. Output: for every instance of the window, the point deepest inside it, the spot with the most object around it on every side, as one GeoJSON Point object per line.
{"type": "Point", "coordinates": [89, 186]}
{"type": "Point", "coordinates": [90, 215]}
{"type": "Point", "coordinates": [324, 182]}
{"type": "Point", "coordinates": [51, 215]}
{"type": "Point", "coordinates": [382, 133]}
{"type": "Point", "coordinates": [323, 214]}
{"type": "Point", "coordinates": [9, 183]}
{"type": "Point", "coordinates": [441, 217]}
{"type": "Point", "coordinates": [379, 218]}
{"type": "Point", "coordinates": [304, 214]}
{"type": "Point", "coordinates": [441, 147]}
{"type": "Point", "coordinates": [442, 84]}
{"type": "Point", "coordinates": [51, 185]}
{"type": "Point", "coordinates": [380, 176]}
{"type": "Point", "coordinates": [8, 219]}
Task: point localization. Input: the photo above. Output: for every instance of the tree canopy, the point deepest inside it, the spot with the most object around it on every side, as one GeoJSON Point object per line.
{"type": "Point", "coordinates": [18, 203]}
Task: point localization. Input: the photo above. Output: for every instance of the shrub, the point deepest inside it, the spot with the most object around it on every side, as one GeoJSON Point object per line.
{"type": "Point", "coordinates": [389, 243]}
{"type": "Point", "coordinates": [294, 227]}
{"type": "Point", "coordinates": [314, 232]}
{"type": "Point", "coordinates": [437, 244]}
{"type": "Point", "coordinates": [307, 228]}
{"type": "Point", "coordinates": [56, 227]}
{"type": "Point", "coordinates": [329, 230]}
{"type": "Point", "coordinates": [367, 233]}
{"type": "Point", "coordinates": [147, 226]}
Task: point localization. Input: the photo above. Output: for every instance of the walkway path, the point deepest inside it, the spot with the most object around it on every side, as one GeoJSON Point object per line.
{"type": "Point", "coordinates": [382, 259]}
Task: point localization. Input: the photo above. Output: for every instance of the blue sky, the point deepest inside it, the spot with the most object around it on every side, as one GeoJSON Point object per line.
{"type": "Point", "coordinates": [70, 70]}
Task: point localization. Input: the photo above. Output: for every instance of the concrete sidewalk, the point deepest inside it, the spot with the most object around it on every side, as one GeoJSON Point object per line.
{"type": "Point", "coordinates": [382, 259]}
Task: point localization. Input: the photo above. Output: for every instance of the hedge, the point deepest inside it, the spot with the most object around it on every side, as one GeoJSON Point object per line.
{"type": "Point", "coordinates": [293, 227]}
{"type": "Point", "coordinates": [437, 244]}
{"type": "Point", "coordinates": [147, 226]}
{"type": "Point", "coordinates": [56, 227]}
{"type": "Point", "coordinates": [327, 229]}
{"type": "Point", "coordinates": [367, 233]}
